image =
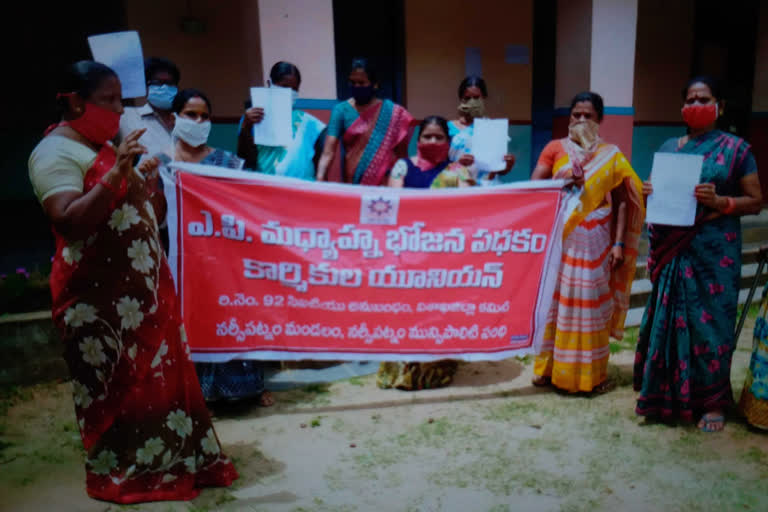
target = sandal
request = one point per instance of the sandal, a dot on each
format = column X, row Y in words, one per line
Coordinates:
column 712, row 422
column 541, row 381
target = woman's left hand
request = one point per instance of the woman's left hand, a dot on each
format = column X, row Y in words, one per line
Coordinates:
column 616, row 257
column 509, row 163
column 706, row 195
column 148, row 169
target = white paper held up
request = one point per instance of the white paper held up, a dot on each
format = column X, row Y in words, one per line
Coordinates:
column 674, row 177
column 489, row 144
column 275, row 129
column 121, row 51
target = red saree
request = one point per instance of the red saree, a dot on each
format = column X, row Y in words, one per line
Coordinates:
column 142, row 418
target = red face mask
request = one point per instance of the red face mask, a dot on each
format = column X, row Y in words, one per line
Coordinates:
column 429, row 154
column 97, row 124
column 699, row 117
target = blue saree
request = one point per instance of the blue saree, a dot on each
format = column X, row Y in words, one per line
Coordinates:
column 683, row 359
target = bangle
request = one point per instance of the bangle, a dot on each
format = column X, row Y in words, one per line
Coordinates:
column 619, row 244
column 108, row 186
column 730, row 206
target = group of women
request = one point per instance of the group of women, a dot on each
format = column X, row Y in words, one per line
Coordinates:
column 142, row 415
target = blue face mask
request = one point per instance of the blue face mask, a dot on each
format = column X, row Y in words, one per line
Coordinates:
column 161, row 96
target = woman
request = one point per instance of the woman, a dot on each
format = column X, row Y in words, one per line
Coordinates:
column 472, row 94
column 430, row 168
column 684, row 348
column 754, row 397
column 373, row 132
column 192, row 112
column 142, row 418
column 600, row 241
column 297, row 160
column 191, row 128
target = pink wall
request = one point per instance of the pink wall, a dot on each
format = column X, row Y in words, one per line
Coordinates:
column 301, row 32
column 437, row 33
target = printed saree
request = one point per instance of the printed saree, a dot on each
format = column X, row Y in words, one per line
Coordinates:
column 685, row 344
column 591, row 301
column 142, row 418
column 754, row 397
column 370, row 142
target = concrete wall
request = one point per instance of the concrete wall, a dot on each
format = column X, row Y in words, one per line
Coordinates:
column 301, row 32
column 437, row 33
column 223, row 61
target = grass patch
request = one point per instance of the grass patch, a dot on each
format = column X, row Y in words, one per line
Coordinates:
column 526, row 359
column 356, row 381
column 511, row 410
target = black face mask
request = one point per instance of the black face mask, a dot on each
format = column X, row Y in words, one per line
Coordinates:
column 363, row 94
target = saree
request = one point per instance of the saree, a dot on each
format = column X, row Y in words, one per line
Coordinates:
column 590, row 301
column 371, row 140
column 683, row 359
column 141, row 415
column 409, row 376
column 295, row 160
column 754, row 397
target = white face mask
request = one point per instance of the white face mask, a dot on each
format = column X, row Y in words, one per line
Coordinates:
column 193, row 133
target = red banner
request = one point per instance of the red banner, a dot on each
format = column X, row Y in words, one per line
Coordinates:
column 275, row 268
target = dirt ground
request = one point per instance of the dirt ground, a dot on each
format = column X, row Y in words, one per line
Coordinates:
column 490, row 442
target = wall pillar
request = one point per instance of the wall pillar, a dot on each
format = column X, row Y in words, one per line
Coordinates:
column 596, row 52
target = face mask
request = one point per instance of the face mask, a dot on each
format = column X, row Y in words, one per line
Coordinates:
column 699, row 117
column 97, row 124
column 474, row 107
column 584, row 133
column 193, row 133
column 430, row 154
column 161, row 96
column 363, row 94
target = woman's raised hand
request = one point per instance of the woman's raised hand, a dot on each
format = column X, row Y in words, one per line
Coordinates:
column 253, row 116
column 128, row 150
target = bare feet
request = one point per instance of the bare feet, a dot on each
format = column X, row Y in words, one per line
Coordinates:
column 713, row 421
column 266, row 399
column 541, row 381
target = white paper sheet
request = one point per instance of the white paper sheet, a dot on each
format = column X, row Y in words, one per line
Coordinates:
column 674, row 177
column 275, row 129
column 489, row 144
column 121, row 51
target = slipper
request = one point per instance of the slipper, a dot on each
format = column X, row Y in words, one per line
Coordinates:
column 711, row 421
column 541, row 381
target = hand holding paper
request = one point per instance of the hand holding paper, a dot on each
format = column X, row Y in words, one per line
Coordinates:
column 489, row 144
column 674, row 177
column 275, row 128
